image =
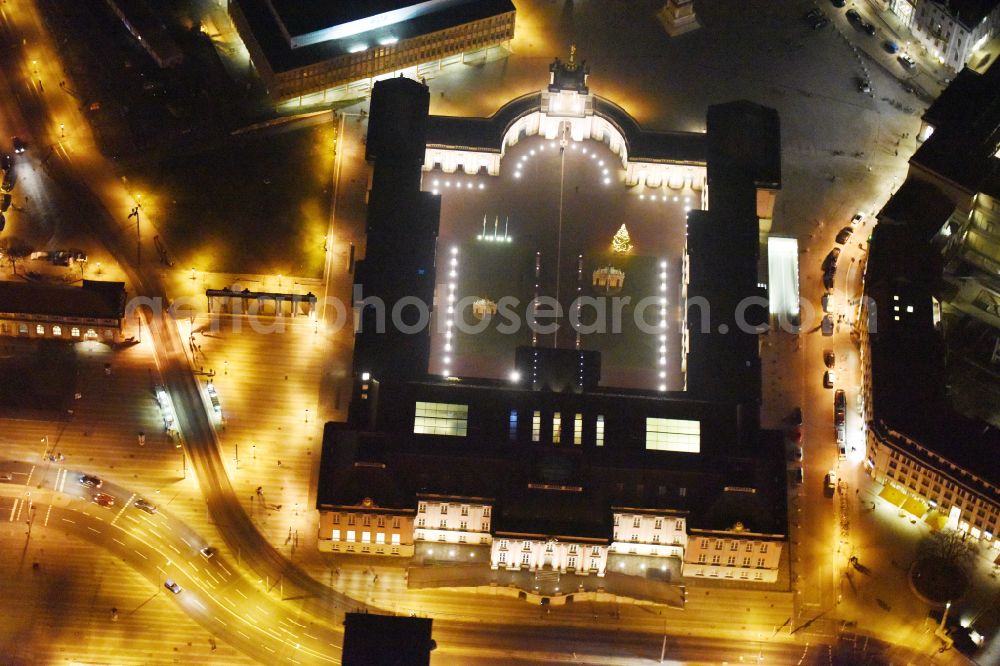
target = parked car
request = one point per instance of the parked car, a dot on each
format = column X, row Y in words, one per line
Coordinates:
column 840, row 405
column 829, row 358
column 827, row 301
column 813, row 13
column 828, row 277
column 5, row 202
column 853, row 15
column 3, row 222
column 857, row 219
column 841, row 449
column 91, row 481
column 104, row 499
column 830, row 262
column 796, row 417
column 844, row 235
column 797, row 453
column 863, row 85
column 819, row 22
column 208, row 552
column 828, row 378
column 839, row 3
column 7, row 161
column 797, row 476
column 9, row 180
column 19, row 146
column 172, row 586
column 830, row 483
column 827, row 325
column 867, row 28
column 907, row 61
column 143, row 505
column 891, row 46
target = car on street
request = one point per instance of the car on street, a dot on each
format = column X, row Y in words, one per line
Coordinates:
column 91, row 481
column 840, row 406
column 208, row 552
column 839, row 3
column 827, row 302
column 891, row 46
column 853, row 15
column 841, row 444
column 907, row 61
column 172, row 586
column 6, row 476
column 797, row 476
column 827, row 326
column 19, row 146
column 143, row 505
column 830, row 261
column 813, row 13
column 819, row 22
column 863, row 85
column 797, row 453
column 9, row 180
column 867, row 28
column 828, row 278
column 829, row 358
column 104, row 499
column 7, row 161
column 5, row 202
column 844, row 235
column 857, row 219
column 3, row 222
column 829, row 377
column 796, row 417
column 830, row 483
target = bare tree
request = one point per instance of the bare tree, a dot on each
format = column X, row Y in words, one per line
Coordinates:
column 951, row 546
column 14, row 249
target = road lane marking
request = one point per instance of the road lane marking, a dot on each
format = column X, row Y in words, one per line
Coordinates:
column 228, row 601
column 13, row 508
column 217, row 581
column 310, row 636
column 251, row 618
column 267, row 647
column 140, row 554
column 220, row 621
column 117, row 541
column 195, row 601
column 93, row 530
column 186, row 542
column 228, row 572
column 68, row 520
column 133, row 519
column 261, row 609
column 242, row 634
column 174, row 548
column 237, row 590
column 48, row 512
column 294, row 622
column 122, row 510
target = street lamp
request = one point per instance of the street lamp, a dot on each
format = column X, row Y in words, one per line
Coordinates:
column 138, row 239
column 62, row 130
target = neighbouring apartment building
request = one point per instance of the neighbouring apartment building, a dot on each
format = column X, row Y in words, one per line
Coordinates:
column 952, row 30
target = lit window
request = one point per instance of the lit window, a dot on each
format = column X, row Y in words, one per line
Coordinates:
column 366, row 537
column 536, row 426
column 380, row 537
column 578, row 429
column 335, row 535
column 512, row 431
column 75, row 332
column 600, row 430
column 57, row 330
column 673, row 435
column 350, row 535
column 439, row 418
column 39, row 329
column 395, row 539
column 556, row 427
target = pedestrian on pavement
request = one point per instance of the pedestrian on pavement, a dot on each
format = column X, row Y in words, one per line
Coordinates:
column 279, row 463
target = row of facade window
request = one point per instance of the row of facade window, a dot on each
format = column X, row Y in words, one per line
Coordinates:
column 657, row 523
column 504, row 544
column 655, row 538
column 57, row 330
column 733, row 546
column 462, row 538
column 443, row 508
column 366, row 520
column 730, row 561
column 350, row 536
column 462, row 525
column 365, row 548
column 745, row 575
column 595, row 564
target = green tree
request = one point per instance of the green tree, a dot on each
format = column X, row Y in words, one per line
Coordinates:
column 14, row 249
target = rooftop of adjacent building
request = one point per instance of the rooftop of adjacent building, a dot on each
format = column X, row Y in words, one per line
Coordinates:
column 386, row 639
column 93, row 300
column 276, row 23
column 966, row 121
column 909, row 394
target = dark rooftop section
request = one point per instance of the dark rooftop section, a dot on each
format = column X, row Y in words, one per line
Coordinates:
column 94, row 300
column 386, row 640
column 487, row 133
column 569, row 76
column 909, row 394
column 921, row 205
column 302, row 16
column 281, row 57
column 971, row 12
column 744, row 139
column 554, row 513
column 966, row 121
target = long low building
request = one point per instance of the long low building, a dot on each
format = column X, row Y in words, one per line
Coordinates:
column 310, row 53
column 93, row 311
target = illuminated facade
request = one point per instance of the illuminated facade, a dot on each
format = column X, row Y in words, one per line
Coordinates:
column 94, row 311
column 951, row 31
column 327, row 51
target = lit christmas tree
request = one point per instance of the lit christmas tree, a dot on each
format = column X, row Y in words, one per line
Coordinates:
column 621, row 242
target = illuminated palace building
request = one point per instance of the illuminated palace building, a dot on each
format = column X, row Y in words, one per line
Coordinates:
column 317, row 52
column 560, row 460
